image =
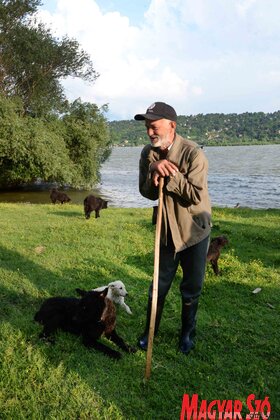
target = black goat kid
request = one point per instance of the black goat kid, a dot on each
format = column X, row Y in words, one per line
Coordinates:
column 90, row 316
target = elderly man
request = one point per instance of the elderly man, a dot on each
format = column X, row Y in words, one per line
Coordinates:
column 186, row 218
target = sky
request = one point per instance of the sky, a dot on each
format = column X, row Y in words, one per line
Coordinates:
column 200, row 56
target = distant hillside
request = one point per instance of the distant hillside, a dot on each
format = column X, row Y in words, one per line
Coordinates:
column 210, row 129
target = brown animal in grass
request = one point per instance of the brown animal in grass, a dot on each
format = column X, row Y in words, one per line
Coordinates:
column 92, row 203
column 214, row 251
column 59, row 196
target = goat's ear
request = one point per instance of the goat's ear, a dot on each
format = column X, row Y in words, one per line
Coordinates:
column 81, row 292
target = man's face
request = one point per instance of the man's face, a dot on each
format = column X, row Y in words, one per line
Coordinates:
column 161, row 132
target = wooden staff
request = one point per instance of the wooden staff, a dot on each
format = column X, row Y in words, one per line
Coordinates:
column 155, row 282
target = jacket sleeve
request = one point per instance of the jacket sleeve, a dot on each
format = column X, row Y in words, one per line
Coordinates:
column 146, row 186
column 191, row 179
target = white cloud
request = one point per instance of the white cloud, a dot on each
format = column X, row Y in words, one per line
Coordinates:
column 244, row 6
column 201, row 56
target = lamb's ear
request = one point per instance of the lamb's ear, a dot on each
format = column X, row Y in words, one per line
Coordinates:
column 81, row 292
column 104, row 292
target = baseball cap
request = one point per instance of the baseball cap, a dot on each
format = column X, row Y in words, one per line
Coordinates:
column 157, row 111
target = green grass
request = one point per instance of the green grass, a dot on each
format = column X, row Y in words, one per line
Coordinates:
column 48, row 250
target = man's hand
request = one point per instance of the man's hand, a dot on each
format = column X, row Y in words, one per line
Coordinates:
column 162, row 168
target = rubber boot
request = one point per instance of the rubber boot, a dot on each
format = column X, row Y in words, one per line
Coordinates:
column 189, row 310
column 143, row 340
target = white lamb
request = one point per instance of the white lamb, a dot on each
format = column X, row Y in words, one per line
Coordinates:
column 116, row 293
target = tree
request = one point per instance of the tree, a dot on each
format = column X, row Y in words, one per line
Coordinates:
column 68, row 150
column 30, row 149
column 42, row 136
column 87, row 138
column 33, row 62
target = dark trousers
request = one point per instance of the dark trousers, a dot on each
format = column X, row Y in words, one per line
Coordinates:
column 193, row 263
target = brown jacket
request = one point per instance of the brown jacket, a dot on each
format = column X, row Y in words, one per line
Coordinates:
column 186, row 203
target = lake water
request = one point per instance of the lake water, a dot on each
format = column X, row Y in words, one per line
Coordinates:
column 249, row 175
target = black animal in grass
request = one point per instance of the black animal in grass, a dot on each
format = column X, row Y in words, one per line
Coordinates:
column 59, row 196
column 92, row 203
column 90, row 316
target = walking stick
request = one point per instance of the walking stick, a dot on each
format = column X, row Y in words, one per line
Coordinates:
column 155, row 282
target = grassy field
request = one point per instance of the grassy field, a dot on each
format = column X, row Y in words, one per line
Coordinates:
column 48, row 250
